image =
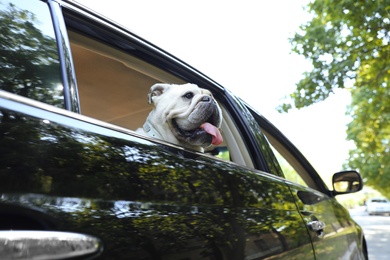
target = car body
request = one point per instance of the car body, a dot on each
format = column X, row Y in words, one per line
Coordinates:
column 378, row 206
column 78, row 181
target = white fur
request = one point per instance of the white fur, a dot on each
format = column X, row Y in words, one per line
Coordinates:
column 169, row 103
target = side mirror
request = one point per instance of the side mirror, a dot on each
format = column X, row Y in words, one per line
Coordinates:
column 346, row 182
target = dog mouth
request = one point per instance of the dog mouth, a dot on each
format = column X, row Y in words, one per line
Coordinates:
column 207, row 129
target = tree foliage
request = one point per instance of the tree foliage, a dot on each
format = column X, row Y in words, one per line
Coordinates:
column 347, row 42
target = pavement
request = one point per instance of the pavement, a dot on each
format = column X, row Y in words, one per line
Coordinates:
column 377, row 232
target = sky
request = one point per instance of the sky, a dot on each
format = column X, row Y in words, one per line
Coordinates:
column 244, row 45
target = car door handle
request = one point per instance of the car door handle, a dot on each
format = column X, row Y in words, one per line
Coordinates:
column 47, row 245
column 316, row 225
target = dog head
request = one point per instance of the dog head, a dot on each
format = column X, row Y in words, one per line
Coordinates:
column 185, row 115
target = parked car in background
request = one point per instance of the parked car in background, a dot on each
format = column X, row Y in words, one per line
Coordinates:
column 378, row 206
column 78, row 182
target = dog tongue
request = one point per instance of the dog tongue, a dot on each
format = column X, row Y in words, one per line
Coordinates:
column 212, row 130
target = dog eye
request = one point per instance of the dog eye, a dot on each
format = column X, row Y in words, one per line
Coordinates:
column 188, row 95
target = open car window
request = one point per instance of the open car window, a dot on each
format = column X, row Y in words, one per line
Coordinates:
column 113, row 87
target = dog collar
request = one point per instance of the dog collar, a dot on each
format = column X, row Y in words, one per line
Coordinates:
column 150, row 130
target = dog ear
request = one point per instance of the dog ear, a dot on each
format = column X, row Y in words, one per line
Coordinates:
column 156, row 90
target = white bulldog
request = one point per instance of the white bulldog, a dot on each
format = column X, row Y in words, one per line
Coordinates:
column 185, row 115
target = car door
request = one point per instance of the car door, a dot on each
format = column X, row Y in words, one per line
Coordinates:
column 128, row 195
column 291, row 240
column 141, row 199
column 331, row 227
column 333, row 232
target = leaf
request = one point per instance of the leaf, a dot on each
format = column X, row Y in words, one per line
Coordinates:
column 348, row 44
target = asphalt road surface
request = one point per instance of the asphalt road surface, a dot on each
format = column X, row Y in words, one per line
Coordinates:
column 377, row 232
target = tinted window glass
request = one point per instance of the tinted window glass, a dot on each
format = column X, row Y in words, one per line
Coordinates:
column 29, row 63
column 288, row 170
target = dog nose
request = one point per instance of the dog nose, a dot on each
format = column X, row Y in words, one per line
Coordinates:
column 206, row 98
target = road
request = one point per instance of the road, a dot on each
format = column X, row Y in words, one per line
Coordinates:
column 377, row 232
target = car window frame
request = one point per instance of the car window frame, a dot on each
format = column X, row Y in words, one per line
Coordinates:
column 70, row 92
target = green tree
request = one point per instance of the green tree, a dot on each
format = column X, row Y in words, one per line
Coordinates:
column 347, row 42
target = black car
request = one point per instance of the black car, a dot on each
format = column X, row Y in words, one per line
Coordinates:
column 76, row 180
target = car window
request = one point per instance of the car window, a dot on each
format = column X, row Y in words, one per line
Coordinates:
column 292, row 169
column 29, row 58
column 292, row 164
column 113, row 87
column 288, row 170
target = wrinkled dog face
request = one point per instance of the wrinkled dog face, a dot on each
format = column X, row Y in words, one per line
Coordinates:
column 185, row 115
